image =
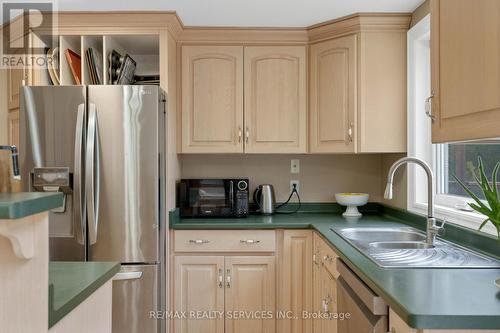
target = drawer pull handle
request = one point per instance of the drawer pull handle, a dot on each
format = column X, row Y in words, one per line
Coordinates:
column 228, row 278
column 221, row 278
column 328, row 258
column 199, row 241
column 249, row 241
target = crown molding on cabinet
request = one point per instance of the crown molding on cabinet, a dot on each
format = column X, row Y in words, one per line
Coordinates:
column 315, row 33
column 136, row 22
column 361, row 22
column 244, row 36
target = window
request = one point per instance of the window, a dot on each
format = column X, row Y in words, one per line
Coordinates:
column 447, row 160
column 460, row 160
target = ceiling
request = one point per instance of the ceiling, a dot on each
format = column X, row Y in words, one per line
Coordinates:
column 247, row 13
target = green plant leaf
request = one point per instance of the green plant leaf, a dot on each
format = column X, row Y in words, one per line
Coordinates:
column 484, row 180
column 483, row 224
column 492, row 209
column 470, row 193
column 484, row 211
column 494, row 179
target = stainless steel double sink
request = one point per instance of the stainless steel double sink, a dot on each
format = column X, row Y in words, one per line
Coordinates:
column 405, row 247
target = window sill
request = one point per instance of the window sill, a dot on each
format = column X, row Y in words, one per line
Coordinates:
column 471, row 220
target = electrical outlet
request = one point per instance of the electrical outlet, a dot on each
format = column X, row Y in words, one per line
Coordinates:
column 294, row 166
column 297, row 185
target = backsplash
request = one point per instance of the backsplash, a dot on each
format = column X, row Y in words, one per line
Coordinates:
column 321, row 176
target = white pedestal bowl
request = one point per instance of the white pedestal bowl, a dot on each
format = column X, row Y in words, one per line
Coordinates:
column 352, row 201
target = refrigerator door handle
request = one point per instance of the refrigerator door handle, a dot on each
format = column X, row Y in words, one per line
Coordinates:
column 78, row 194
column 92, row 173
column 127, row 276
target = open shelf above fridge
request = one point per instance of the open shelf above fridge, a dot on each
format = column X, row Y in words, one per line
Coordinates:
column 98, row 59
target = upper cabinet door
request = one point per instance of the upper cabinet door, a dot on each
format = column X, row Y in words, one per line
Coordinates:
column 465, row 67
column 333, row 96
column 212, row 99
column 275, row 99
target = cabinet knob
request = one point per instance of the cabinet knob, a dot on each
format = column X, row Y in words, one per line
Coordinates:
column 240, row 134
column 349, row 132
column 247, row 135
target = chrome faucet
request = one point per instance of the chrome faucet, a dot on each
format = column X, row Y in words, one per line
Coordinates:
column 15, row 163
column 432, row 228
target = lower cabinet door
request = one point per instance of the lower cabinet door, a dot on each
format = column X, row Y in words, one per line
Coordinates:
column 250, row 294
column 325, row 301
column 199, row 292
column 295, row 289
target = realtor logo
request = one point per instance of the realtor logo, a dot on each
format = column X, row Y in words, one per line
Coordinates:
column 28, row 32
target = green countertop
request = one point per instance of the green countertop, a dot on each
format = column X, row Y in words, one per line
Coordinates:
column 422, row 297
column 70, row 283
column 17, row 205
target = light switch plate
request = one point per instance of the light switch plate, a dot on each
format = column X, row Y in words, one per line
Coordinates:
column 294, row 166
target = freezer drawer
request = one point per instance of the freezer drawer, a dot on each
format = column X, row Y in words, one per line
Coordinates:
column 135, row 294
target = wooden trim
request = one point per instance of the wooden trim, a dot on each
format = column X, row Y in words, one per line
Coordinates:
column 244, row 36
column 434, row 44
column 116, row 22
column 141, row 22
column 351, row 24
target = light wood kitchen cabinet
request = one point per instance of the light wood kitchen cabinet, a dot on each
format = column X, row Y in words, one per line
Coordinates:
column 250, row 287
column 295, row 280
column 214, row 284
column 465, row 69
column 333, row 96
column 275, row 99
column 14, row 83
column 220, row 270
column 199, row 286
column 212, row 99
column 358, row 93
column 324, row 287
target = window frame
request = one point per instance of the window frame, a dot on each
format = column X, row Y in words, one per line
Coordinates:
column 419, row 139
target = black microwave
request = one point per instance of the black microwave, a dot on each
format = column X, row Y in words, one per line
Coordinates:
column 213, row 197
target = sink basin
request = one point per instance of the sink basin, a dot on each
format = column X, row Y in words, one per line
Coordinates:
column 401, row 245
column 382, row 235
column 405, row 247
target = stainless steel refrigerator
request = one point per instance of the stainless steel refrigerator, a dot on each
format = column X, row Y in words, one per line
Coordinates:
column 104, row 147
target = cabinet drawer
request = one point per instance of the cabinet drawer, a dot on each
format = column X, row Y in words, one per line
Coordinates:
column 328, row 258
column 224, row 241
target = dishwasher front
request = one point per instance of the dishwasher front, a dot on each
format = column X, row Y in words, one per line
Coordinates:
column 368, row 312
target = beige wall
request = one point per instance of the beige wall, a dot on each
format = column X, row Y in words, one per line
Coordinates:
column 400, row 194
column 320, row 175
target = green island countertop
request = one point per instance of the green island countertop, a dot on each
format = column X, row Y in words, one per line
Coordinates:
column 425, row 298
column 70, row 283
column 21, row 204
